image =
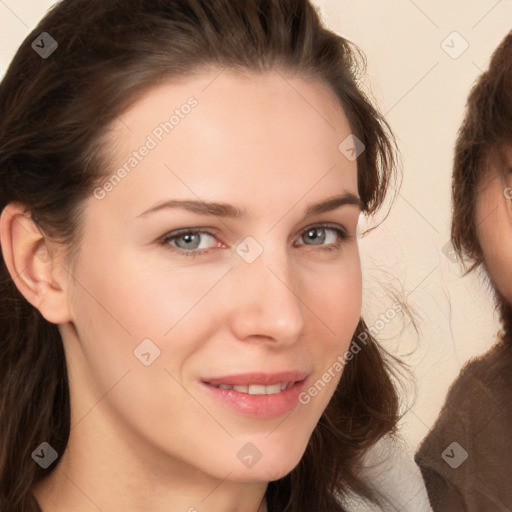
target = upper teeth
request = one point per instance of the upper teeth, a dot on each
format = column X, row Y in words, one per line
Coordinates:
column 258, row 389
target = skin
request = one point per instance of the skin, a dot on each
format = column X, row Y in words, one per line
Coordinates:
column 493, row 213
column 150, row 437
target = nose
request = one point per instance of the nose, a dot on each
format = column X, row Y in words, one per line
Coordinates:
column 267, row 303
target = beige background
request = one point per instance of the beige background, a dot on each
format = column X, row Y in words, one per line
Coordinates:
column 422, row 90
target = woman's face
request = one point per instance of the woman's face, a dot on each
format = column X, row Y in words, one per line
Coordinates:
column 493, row 219
column 250, row 283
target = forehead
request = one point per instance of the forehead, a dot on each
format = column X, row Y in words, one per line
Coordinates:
column 222, row 128
column 212, row 87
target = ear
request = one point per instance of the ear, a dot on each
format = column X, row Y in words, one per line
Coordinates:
column 34, row 264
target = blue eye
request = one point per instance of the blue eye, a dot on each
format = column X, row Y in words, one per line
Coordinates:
column 318, row 235
column 187, row 242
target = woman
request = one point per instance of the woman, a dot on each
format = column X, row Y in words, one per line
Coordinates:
column 181, row 182
column 466, row 459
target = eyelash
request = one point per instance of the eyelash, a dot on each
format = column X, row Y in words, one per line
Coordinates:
column 342, row 236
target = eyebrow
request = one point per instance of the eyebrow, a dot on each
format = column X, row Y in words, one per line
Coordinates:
column 226, row 210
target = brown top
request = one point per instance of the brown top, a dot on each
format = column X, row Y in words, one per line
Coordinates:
column 466, row 459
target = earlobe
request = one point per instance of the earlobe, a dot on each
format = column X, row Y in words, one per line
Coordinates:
column 35, row 271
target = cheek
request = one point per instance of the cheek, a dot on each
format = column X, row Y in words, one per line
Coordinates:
column 496, row 253
column 494, row 225
column 141, row 298
column 120, row 305
column 338, row 307
column 342, row 309
column 338, row 300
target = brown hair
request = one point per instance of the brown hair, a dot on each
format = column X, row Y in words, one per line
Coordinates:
column 54, row 120
column 485, row 131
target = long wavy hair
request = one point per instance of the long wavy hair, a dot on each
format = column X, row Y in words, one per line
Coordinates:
column 55, row 113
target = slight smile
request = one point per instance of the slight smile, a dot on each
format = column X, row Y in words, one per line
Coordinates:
column 261, row 395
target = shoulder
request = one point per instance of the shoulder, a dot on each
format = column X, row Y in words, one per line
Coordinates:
column 492, row 368
column 482, row 389
column 472, row 429
column 484, row 380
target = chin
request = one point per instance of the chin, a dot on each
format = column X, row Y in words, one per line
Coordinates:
column 273, row 465
column 266, row 473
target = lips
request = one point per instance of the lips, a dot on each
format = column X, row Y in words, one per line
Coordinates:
column 258, row 378
column 260, row 395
